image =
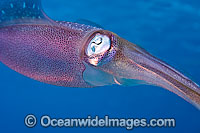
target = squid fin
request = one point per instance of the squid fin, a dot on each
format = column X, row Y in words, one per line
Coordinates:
column 22, row 12
column 87, row 22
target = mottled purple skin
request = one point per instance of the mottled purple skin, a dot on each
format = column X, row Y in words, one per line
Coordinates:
column 48, row 53
column 54, row 53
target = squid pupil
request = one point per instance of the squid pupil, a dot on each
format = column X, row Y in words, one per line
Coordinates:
column 99, row 42
column 94, row 47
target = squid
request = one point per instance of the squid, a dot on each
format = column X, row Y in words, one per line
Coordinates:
column 78, row 55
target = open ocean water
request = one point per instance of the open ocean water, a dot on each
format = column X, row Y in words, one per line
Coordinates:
column 169, row 29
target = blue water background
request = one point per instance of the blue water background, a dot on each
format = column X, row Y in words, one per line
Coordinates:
column 169, row 29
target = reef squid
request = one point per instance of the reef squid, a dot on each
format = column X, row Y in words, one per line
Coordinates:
column 79, row 55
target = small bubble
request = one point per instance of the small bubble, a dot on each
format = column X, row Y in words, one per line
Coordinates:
column 11, row 5
column 24, row 5
column 33, row 6
column 3, row 12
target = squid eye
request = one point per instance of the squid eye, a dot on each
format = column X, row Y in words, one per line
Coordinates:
column 100, row 48
column 99, row 44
